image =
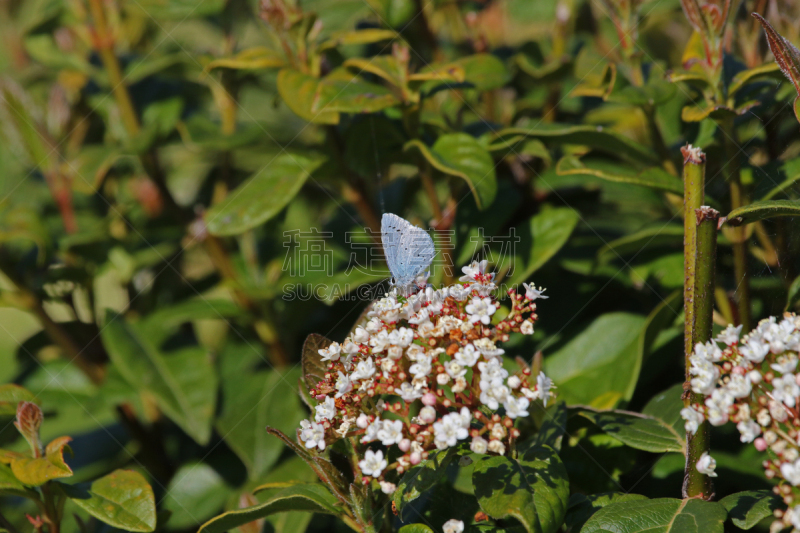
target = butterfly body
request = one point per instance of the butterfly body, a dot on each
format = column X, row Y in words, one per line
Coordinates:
column 409, row 250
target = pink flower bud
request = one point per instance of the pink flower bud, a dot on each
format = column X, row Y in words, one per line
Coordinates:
column 404, row 445
column 760, row 444
column 739, row 370
column 429, row 398
column 797, row 379
column 415, row 458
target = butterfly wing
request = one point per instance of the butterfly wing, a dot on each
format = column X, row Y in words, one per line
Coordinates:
column 414, row 254
column 391, row 230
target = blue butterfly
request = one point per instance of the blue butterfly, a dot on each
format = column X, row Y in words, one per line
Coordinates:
column 409, row 250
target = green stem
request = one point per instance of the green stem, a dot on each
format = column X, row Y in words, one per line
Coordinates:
column 732, row 174
column 700, row 243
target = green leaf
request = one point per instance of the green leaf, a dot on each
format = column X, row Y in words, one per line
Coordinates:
column 666, row 406
column 637, row 430
column 484, row 72
column 422, row 477
column 793, row 295
column 792, row 170
column 10, row 395
column 532, row 488
column 299, row 90
column 746, row 509
column 638, row 241
column 662, row 515
column 762, row 210
column 178, row 10
column 461, row 155
column 365, row 36
column 310, row 497
column 9, row 484
column 183, row 383
column 787, row 56
column 262, row 196
column 160, row 323
column 256, row 58
column 653, row 177
column 194, row 495
column 655, row 93
column 582, row 506
column 599, row 373
column 123, row 499
column 549, row 231
column 751, row 74
column 596, row 137
column 38, row 471
column 140, row 69
column 415, row 528
column 552, row 430
column 252, row 401
column 342, row 92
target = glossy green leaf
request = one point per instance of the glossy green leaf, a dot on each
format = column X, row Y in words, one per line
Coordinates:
column 252, row 401
column 792, row 170
column 342, row 92
column 549, row 231
column 262, row 196
column 552, row 430
column 163, row 321
column 8, row 482
column 662, row 515
column 638, row 241
column 655, row 93
column 653, row 178
column 10, row 395
column 597, row 137
column 310, row 497
column 752, row 74
column 178, row 10
column 387, row 67
column 415, row 528
column 460, row 155
column 763, row 210
column 195, row 494
column 123, row 499
column 365, row 36
column 637, row 430
column 532, row 488
column 38, row 471
column 183, row 383
column 256, row 58
column 298, row 91
column 582, row 506
column 666, row 406
column 746, row 509
column 599, row 373
column 484, row 72
column 422, row 477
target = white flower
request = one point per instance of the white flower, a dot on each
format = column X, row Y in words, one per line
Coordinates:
column 466, row 417
column 791, row 472
column 492, row 369
column 454, row 369
column 373, row 463
column 361, row 335
column 778, row 411
column 532, row 293
column 493, row 393
column 785, row 364
column 543, row 386
column 793, row 515
column 496, row 446
column 754, row 351
column 514, row 382
column 380, row 342
column 785, row 389
column 749, row 430
column 427, row 414
column 516, row 407
column 372, row 431
column 467, row 356
column 480, row 310
column 331, row 353
column 719, row 404
column 374, row 326
column 414, row 352
column 730, row 336
column 364, row 370
column 526, row 328
column 312, row 435
column 443, row 378
column 343, row 385
column 448, row 431
column 387, row 308
column 362, row 421
column 487, row 348
column 692, row 418
column 408, row 393
column 350, row 348
column 478, row 445
column 326, row 410
column 422, row 367
column 706, row 465
column 707, row 352
column 458, row 292
column 706, row 374
column 391, row 432
column 472, row 270
column 453, row 526
column 388, row 488
column 402, row 337
column 739, row 386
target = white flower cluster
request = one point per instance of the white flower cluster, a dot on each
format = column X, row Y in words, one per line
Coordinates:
column 752, row 383
column 415, row 374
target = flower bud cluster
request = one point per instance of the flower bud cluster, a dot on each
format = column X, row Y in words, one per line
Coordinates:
column 753, row 383
column 425, row 372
